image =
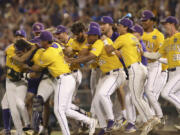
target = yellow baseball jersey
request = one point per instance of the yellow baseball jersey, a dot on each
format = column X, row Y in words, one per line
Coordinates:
column 37, row 56
column 171, row 50
column 128, row 45
column 10, row 52
column 53, row 59
column 106, row 62
column 77, row 47
column 153, row 40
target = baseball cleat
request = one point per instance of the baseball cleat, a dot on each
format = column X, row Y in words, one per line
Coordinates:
column 146, row 129
column 130, row 128
column 102, row 131
column 110, row 125
column 92, row 126
column 155, row 121
column 119, row 124
column 177, row 127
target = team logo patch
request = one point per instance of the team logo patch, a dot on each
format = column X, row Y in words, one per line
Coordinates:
column 54, row 46
column 175, row 40
column 154, row 37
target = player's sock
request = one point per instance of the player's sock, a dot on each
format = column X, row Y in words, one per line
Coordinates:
column 6, row 119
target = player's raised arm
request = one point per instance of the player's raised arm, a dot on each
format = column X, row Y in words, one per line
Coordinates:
column 23, row 50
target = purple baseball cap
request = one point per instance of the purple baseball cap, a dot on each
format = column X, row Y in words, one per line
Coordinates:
column 137, row 28
column 107, row 19
column 125, row 22
column 94, row 24
column 93, row 30
column 146, row 15
column 38, row 27
column 60, row 29
column 170, row 19
column 20, row 32
column 46, row 36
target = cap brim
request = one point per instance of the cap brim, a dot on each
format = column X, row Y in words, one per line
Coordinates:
column 144, row 19
column 133, row 29
column 163, row 21
column 19, row 35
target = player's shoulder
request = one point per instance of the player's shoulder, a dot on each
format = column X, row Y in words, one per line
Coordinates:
column 10, row 47
column 157, row 32
column 98, row 42
column 109, row 40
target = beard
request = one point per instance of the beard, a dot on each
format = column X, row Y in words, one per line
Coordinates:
column 80, row 39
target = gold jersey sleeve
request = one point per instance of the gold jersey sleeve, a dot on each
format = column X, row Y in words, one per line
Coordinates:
column 10, row 52
column 53, row 59
column 37, row 55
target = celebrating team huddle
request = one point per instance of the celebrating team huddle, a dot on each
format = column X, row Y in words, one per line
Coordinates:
column 131, row 63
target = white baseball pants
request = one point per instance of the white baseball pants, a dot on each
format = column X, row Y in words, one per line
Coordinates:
column 16, row 93
column 95, row 76
column 78, row 78
column 105, row 88
column 172, row 87
column 46, row 88
column 154, row 74
column 4, row 102
column 65, row 87
column 137, row 76
column 130, row 107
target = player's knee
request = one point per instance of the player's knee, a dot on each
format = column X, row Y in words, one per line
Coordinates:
column 29, row 99
column 20, row 103
column 38, row 103
column 4, row 104
column 164, row 94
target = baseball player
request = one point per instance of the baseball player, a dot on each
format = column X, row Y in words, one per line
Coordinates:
column 129, row 46
column 113, row 77
column 15, row 87
column 119, row 105
column 64, row 83
column 137, row 30
column 153, row 39
column 20, row 34
column 170, row 49
column 33, row 83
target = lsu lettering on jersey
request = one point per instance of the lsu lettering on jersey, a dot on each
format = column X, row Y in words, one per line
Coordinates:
column 128, row 45
column 10, row 52
column 153, row 40
column 53, row 59
column 106, row 62
column 171, row 50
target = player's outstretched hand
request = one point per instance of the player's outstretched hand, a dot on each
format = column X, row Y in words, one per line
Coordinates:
column 69, row 60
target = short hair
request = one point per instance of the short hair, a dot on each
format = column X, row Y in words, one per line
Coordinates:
column 77, row 27
column 22, row 45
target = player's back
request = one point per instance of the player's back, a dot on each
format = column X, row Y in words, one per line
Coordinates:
column 128, row 45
